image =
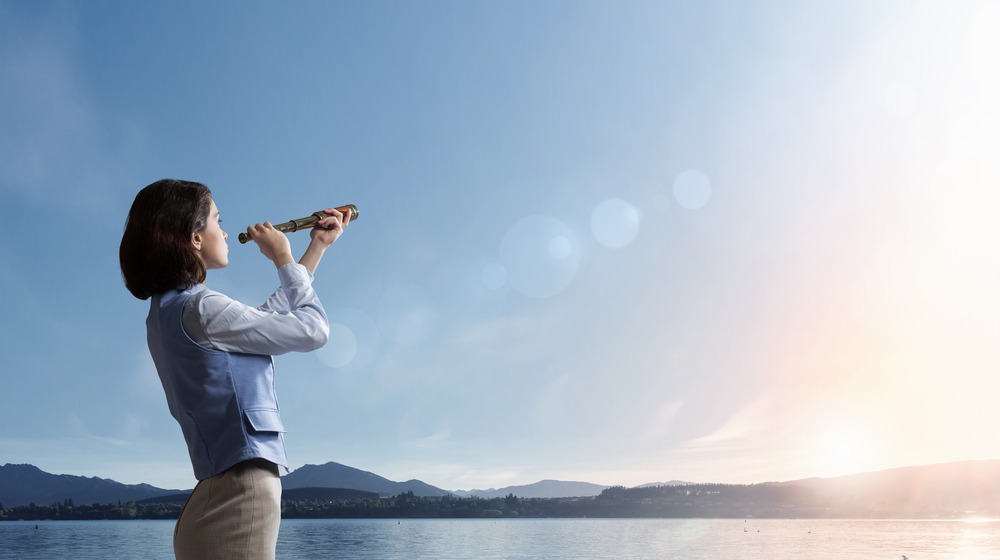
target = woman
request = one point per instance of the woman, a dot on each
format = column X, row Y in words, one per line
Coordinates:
column 214, row 359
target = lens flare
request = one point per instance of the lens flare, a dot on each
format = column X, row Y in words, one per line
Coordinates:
column 540, row 255
column 692, row 189
column 614, row 223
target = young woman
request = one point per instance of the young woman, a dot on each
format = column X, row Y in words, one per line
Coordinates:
column 213, row 356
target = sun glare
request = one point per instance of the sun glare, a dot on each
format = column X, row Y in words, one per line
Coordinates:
column 980, row 520
column 844, row 449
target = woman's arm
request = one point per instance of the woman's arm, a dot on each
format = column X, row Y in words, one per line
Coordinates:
column 272, row 243
column 292, row 319
column 326, row 232
column 217, row 321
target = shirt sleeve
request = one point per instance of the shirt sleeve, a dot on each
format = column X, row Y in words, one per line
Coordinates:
column 291, row 320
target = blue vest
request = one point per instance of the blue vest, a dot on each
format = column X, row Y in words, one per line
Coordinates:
column 224, row 401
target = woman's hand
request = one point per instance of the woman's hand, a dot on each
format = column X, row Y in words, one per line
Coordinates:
column 326, row 231
column 330, row 229
column 273, row 244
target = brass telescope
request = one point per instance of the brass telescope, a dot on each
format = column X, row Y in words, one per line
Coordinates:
column 309, row 221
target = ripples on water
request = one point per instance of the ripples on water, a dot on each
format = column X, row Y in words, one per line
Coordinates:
column 530, row 539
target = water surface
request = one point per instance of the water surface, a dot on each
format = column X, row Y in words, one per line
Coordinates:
column 530, row 539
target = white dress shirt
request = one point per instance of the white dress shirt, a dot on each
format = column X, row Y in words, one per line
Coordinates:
column 291, row 320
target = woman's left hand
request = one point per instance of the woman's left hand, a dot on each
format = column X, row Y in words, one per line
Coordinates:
column 329, row 229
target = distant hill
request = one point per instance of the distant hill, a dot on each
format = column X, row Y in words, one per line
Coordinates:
column 326, row 494
column 167, row 499
column 25, row 484
column 335, row 475
column 671, row 483
column 541, row 489
column 947, row 487
column 320, row 494
column 949, row 490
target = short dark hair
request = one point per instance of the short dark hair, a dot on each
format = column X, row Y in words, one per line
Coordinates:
column 156, row 253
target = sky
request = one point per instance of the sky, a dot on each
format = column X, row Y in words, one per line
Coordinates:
column 614, row 242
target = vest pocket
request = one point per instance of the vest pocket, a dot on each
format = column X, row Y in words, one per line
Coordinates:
column 264, row 420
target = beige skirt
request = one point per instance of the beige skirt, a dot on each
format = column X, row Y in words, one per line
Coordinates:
column 233, row 515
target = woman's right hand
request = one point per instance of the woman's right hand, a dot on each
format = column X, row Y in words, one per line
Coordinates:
column 273, row 244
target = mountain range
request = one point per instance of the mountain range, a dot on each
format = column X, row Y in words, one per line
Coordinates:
column 973, row 485
column 335, row 475
column 25, row 484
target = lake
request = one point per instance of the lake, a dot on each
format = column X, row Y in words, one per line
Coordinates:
column 549, row 539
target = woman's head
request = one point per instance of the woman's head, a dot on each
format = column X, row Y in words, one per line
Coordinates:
column 157, row 253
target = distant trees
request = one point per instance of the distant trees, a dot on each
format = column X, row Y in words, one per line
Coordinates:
column 68, row 510
column 405, row 505
column 686, row 501
column 511, row 501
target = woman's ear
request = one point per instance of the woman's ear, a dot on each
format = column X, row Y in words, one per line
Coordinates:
column 196, row 241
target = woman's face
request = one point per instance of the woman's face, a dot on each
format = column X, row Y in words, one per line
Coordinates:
column 211, row 241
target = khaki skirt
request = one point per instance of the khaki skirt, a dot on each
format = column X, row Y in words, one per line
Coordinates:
column 233, row 515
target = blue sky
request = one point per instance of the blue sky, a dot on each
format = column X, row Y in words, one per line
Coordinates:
column 619, row 242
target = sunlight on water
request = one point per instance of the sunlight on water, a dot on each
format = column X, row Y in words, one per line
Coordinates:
column 692, row 189
column 981, row 520
column 540, row 256
column 614, row 223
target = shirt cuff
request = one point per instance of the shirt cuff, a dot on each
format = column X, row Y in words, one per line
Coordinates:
column 292, row 273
